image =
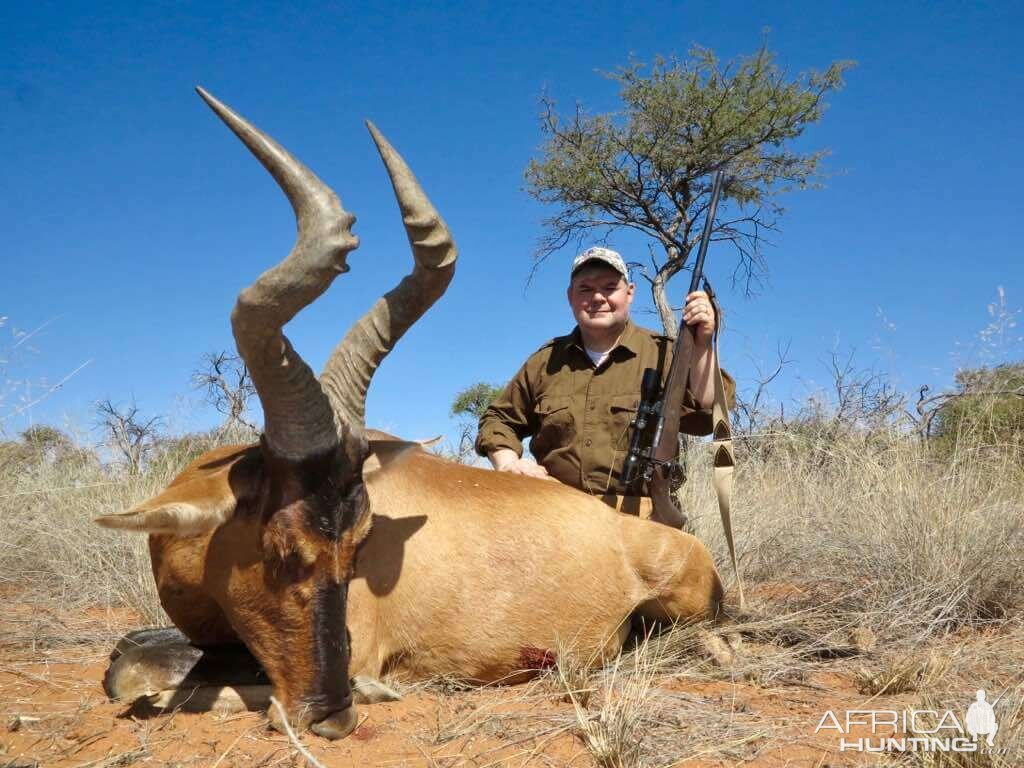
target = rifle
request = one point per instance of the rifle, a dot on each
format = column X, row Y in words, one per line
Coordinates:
column 653, row 450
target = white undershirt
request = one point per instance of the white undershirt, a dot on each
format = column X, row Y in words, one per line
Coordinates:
column 597, row 357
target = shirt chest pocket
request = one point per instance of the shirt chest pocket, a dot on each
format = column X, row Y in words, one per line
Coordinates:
column 621, row 412
column 555, row 425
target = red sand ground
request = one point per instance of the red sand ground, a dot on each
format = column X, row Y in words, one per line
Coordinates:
column 53, row 713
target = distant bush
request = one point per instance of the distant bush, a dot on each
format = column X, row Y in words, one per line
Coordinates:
column 990, row 412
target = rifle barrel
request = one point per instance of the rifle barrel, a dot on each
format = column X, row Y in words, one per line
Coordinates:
column 705, row 237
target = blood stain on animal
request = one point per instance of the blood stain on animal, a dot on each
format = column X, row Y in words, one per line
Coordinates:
column 531, row 657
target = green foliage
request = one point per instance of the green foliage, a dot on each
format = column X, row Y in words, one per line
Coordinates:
column 991, row 410
column 472, row 401
column 468, row 405
column 647, row 166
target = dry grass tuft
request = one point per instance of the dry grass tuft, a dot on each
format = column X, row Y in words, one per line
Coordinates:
column 575, row 675
column 614, row 734
column 51, row 551
column 902, row 674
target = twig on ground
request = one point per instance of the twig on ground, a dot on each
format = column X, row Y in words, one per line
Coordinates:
column 291, row 735
column 227, row 751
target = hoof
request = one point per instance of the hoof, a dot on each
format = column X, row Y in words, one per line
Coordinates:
column 155, row 665
column 368, row 690
column 141, row 638
column 720, row 653
column 146, row 670
column 223, row 700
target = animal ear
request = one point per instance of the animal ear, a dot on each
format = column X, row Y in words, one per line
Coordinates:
column 387, row 454
column 182, row 510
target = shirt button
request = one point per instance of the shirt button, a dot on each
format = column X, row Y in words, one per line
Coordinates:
column 587, row 442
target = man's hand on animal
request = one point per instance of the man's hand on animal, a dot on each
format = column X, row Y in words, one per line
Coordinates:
column 506, row 460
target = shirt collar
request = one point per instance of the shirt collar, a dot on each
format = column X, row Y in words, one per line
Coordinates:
column 629, row 340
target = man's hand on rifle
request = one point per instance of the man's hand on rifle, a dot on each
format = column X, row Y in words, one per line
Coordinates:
column 700, row 315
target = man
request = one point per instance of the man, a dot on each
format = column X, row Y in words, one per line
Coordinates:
column 576, row 396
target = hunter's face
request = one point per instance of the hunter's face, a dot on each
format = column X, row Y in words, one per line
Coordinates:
column 600, row 299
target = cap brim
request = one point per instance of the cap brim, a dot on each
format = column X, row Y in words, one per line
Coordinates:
column 597, row 260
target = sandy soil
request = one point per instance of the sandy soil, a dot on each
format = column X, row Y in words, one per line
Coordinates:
column 53, row 712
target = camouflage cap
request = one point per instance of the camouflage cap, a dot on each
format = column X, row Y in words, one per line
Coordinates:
column 605, row 255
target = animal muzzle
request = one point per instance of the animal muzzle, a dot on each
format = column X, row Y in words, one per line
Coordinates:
column 336, row 725
column 312, row 684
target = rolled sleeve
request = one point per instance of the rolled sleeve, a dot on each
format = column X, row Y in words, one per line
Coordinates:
column 694, row 420
column 509, row 419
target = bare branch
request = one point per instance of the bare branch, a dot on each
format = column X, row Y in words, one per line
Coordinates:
column 749, row 415
column 228, row 387
column 127, row 434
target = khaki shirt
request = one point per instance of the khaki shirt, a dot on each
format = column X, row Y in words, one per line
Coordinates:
column 579, row 415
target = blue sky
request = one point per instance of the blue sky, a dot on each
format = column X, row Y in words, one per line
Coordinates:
column 130, row 217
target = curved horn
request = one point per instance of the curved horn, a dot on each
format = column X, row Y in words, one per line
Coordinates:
column 348, row 371
column 298, row 418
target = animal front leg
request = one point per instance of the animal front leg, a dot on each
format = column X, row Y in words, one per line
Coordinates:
column 369, row 690
column 163, row 667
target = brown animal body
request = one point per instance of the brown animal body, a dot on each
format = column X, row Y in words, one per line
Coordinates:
column 334, row 553
column 464, row 572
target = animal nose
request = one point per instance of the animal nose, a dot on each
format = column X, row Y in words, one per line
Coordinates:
column 337, row 725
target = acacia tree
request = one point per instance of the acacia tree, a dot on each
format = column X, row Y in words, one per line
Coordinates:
column 469, row 405
column 647, row 167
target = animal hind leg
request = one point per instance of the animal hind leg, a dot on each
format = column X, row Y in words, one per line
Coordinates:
column 678, row 576
column 683, row 587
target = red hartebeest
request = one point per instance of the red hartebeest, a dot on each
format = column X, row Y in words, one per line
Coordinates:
column 434, row 568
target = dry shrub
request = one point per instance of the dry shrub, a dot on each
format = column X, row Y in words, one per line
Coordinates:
column 900, row 674
column 575, row 674
column 634, row 718
column 876, row 526
column 51, row 549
